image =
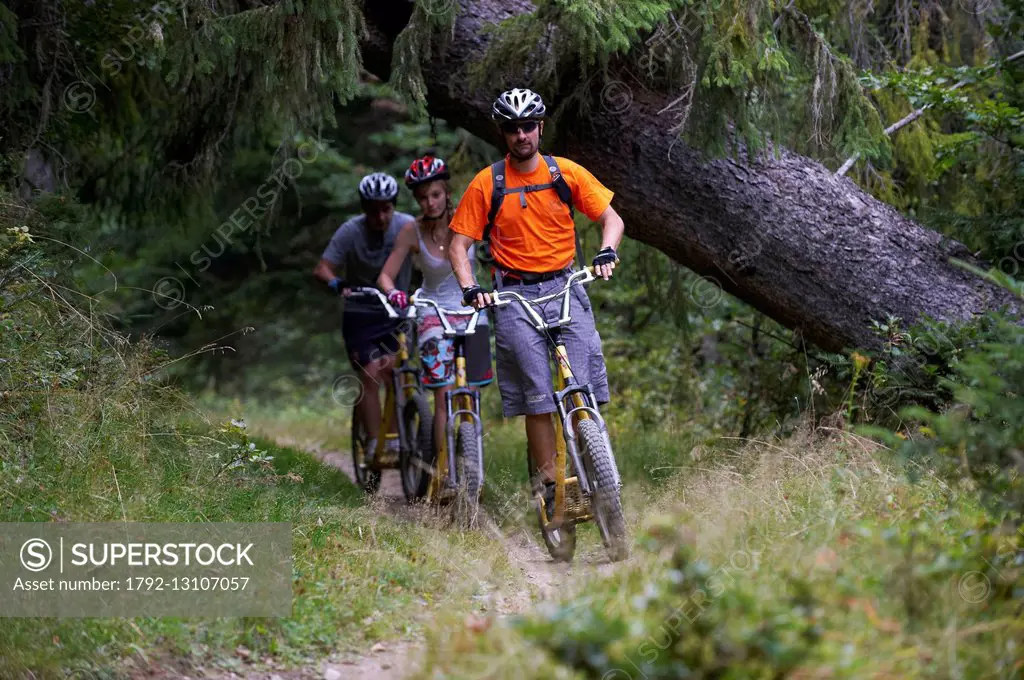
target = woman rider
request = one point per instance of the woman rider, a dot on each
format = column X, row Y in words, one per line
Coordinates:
column 426, row 239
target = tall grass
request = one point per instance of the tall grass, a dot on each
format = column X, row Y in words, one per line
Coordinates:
column 813, row 557
column 809, row 558
column 91, row 431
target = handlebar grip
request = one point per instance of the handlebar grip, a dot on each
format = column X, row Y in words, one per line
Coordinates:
column 590, row 267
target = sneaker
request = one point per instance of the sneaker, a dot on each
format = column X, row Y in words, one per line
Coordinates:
column 549, row 500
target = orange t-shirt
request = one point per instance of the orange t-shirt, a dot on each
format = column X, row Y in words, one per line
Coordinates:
column 540, row 237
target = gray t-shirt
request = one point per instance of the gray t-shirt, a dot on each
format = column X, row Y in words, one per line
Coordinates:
column 359, row 256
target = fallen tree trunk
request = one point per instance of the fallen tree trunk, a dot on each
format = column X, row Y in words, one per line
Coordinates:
column 785, row 235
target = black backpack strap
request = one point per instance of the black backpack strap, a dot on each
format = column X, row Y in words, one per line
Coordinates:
column 497, row 196
column 564, row 192
column 558, row 183
column 523, row 190
column 562, row 187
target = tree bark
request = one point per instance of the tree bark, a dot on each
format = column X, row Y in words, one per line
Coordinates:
column 785, row 235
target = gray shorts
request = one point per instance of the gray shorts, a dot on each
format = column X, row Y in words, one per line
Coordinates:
column 523, row 354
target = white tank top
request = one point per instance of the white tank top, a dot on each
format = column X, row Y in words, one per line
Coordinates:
column 439, row 282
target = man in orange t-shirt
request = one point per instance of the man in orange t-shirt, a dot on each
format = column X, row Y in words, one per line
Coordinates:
column 533, row 243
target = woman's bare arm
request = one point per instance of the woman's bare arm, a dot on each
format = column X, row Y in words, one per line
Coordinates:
column 406, row 243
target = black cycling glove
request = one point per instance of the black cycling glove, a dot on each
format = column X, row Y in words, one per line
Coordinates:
column 469, row 294
column 336, row 284
column 605, row 256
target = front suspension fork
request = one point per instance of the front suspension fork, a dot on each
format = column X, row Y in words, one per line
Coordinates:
column 453, row 414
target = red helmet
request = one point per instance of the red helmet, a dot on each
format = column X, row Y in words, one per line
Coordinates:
column 426, row 169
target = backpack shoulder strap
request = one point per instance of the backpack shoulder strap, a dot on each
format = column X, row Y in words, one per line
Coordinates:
column 561, row 187
column 497, row 195
column 558, row 183
column 564, row 192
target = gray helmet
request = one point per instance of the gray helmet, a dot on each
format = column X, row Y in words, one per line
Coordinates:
column 517, row 104
column 378, row 186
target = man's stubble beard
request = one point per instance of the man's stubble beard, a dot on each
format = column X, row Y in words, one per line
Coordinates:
column 519, row 157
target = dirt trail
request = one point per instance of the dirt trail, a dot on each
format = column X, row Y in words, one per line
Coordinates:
column 522, row 550
column 541, row 580
column 396, row 660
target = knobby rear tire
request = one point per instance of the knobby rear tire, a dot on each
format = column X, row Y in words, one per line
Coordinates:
column 418, row 455
column 606, row 500
column 366, row 479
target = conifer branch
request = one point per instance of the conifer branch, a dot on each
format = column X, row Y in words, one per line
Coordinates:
column 917, row 113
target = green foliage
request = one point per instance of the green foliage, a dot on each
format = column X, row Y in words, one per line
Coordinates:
column 431, row 22
column 685, row 622
column 10, row 52
column 978, row 433
column 242, row 452
column 605, row 28
column 577, row 35
column 154, row 99
column 973, row 423
column 800, row 558
column 747, row 72
column 914, row 364
column 983, row 433
column 938, row 88
column 958, row 167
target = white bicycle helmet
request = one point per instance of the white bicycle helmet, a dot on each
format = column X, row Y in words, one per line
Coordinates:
column 378, row 186
column 517, row 104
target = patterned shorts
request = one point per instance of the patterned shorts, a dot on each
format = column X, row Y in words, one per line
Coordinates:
column 438, row 352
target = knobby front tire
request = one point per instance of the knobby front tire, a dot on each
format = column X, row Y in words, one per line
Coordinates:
column 417, row 455
column 469, row 475
column 606, row 500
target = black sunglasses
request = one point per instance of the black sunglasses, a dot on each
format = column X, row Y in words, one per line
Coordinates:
column 512, row 127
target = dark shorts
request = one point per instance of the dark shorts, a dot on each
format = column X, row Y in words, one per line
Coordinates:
column 437, row 352
column 369, row 336
column 523, row 356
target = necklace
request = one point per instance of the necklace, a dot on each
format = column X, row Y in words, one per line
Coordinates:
column 433, row 237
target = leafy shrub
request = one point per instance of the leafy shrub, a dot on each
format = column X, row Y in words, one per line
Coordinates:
column 978, row 431
column 79, row 403
column 687, row 622
column 915, row 364
column 982, row 433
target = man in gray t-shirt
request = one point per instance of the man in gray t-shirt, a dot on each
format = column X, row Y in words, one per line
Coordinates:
column 354, row 258
column 360, row 250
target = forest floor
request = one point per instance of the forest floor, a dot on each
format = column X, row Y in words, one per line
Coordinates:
column 538, row 578
column 829, row 509
column 822, row 533
column 494, row 593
